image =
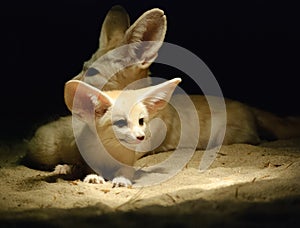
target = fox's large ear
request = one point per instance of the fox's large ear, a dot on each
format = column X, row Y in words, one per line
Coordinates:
column 85, row 101
column 156, row 97
column 151, row 27
column 114, row 27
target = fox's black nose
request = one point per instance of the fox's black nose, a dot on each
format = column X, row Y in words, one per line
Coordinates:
column 141, row 138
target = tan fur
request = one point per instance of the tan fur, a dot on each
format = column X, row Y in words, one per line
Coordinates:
column 103, row 109
column 54, row 143
column 116, row 33
column 242, row 124
column 49, row 140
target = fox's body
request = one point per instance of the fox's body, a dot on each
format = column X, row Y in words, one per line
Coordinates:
column 240, row 123
column 120, row 119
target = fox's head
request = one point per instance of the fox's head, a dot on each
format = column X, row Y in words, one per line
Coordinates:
column 125, row 52
column 122, row 115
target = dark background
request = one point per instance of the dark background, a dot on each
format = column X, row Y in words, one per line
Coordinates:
column 252, row 48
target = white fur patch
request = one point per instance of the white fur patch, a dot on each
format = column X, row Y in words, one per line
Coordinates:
column 94, row 179
column 121, row 182
column 63, row 169
column 94, row 99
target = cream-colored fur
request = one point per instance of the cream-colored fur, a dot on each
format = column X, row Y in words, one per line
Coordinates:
column 120, row 119
column 121, row 122
column 107, row 69
column 117, row 114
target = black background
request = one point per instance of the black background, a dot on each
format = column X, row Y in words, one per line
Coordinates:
column 252, row 48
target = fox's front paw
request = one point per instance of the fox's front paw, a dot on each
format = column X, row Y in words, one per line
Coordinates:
column 121, row 182
column 63, row 169
column 94, row 179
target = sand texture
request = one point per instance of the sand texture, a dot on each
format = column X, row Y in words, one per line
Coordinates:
column 245, row 185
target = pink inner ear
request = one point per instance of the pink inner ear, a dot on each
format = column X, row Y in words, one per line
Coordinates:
column 78, row 97
column 154, row 104
column 70, row 90
column 84, row 100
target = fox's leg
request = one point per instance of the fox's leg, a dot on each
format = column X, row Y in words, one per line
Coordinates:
column 79, row 171
column 53, row 148
column 123, row 177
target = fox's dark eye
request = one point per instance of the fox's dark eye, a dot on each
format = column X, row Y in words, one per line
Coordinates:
column 91, row 72
column 141, row 121
column 120, row 123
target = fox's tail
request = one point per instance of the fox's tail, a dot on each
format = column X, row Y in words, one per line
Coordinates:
column 271, row 126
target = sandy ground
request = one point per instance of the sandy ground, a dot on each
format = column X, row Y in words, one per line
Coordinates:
column 245, row 186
